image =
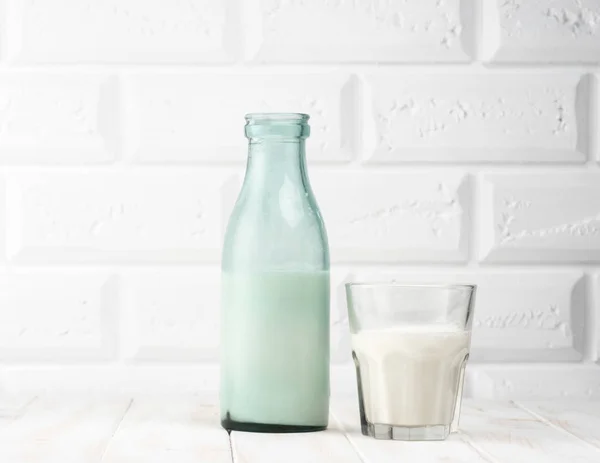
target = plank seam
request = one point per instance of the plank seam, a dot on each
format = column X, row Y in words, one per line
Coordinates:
column 115, row 430
column 339, row 424
column 231, row 449
column 547, row 422
column 22, row 411
column 481, row 452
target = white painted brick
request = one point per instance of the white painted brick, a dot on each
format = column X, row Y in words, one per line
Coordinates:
column 566, row 31
column 529, row 317
column 200, row 117
column 125, row 217
column 453, row 117
column 552, row 217
column 101, row 31
column 54, row 118
column 3, row 218
column 394, row 217
column 535, row 316
column 363, row 30
column 594, row 315
column 533, row 382
column 4, row 22
column 594, row 121
column 172, row 314
column 57, row 316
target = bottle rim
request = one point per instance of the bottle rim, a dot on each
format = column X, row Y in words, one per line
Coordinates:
column 293, row 118
column 290, row 126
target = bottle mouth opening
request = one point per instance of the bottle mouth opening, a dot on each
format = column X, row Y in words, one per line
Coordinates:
column 291, row 118
column 277, row 125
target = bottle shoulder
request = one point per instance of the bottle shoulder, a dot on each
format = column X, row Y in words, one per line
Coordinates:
column 275, row 230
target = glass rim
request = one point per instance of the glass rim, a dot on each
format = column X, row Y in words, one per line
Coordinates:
column 277, row 117
column 400, row 285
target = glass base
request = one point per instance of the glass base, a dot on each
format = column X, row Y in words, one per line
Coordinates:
column 232, row 425
column 406, row 433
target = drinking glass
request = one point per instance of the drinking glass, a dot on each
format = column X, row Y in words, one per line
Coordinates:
column 410, row 346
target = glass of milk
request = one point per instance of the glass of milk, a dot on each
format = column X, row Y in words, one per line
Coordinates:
column 410, row 345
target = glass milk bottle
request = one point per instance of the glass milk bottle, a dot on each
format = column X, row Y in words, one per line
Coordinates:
column 275, row 289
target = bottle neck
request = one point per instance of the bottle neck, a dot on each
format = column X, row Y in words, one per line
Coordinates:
column 272, row 162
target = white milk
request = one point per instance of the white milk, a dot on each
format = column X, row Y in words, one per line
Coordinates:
column 411, row 376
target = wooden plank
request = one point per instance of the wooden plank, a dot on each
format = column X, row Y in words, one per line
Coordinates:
column 60, row 430
column 372, row 450
column 170, row 430
column 580, row 418
column 13, row 407
column 330, row 446
column 509, row 434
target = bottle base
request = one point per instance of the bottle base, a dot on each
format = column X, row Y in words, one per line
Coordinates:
column 232, row 425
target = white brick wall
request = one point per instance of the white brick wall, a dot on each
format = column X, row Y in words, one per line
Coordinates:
column 394, row 217
column 550, row 217
column 123, row 31
column 57, row 315
column 493, row 116
column 114, row 216
column 471, row 155
column 58, row 118
column 359, row 31
column 171, row 315
column 542, row 31
column 167, row 111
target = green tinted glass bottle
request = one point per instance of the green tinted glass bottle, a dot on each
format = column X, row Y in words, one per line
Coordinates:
column 275, row 289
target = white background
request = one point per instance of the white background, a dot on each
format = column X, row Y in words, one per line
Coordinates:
column 451, row 141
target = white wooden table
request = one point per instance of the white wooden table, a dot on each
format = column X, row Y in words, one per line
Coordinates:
column 186, row 429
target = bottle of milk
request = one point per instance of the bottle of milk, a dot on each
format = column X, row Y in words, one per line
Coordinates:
column 275, row 289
